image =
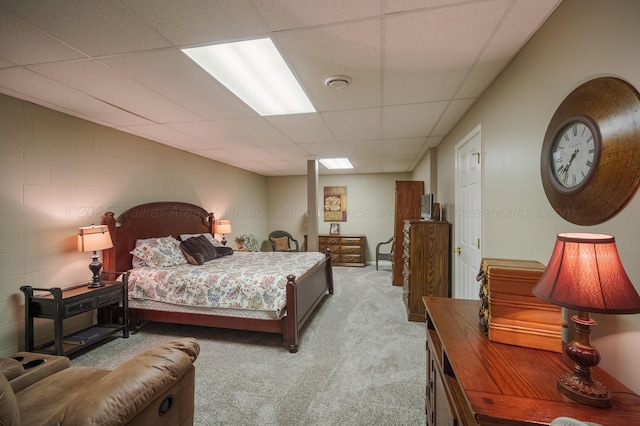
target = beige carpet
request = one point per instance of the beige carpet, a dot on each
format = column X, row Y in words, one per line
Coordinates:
column 360, row 363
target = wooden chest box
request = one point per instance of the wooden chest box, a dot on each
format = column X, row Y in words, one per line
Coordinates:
column 510, row 313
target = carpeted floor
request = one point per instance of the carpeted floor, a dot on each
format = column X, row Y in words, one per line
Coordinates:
column 360, row 363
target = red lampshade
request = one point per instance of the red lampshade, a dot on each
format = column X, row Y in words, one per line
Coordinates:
column 585, row 274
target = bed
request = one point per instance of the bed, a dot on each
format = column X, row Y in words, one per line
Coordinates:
column 304, row 290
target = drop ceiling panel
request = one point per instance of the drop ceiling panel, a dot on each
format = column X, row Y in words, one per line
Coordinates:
column 303, row 128
column 451, row 115
column 287, row 152
column 172, row 73
column 65, row 99
column 269, row 169
column 354, row 125
column 324, row 150
column 214, row 135
column 367, row 164
column 363, row 149
column 397, row 164
column 95, row 27
column 283, row 166
column 289, row 14
column 254, row 153
column 407, row 5
column 258, row 131
column 169, row 136
column 522, row 20
column 103, row 83
column 402, row 147
column 200, row 22
column 23, row 44
column 352, row 50
column 410, row 121
column 428, row 54
column 6, row 64
column 225, row 156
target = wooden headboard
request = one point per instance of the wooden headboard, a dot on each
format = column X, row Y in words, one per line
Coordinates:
column 159, row 219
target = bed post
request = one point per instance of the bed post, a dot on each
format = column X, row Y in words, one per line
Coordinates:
column 329, row 271
column 109, row 255
column 291, row 319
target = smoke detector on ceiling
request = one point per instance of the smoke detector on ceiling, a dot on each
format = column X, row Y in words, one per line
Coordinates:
column 338, row 81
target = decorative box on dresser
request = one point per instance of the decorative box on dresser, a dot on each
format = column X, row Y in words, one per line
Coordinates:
column 474, row 381
column 408, row 193
column 425, row 251
column 346, row 250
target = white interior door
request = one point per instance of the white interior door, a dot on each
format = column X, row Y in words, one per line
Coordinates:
column 468, row 226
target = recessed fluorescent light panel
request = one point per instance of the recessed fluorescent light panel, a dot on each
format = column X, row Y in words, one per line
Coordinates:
column 255, row 72
column 336, row 163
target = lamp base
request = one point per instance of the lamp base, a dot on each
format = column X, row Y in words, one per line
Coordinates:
column 580, row 386
column 591, row 393
column 95, row 267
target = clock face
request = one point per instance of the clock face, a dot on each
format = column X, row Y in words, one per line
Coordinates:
column 573, row 155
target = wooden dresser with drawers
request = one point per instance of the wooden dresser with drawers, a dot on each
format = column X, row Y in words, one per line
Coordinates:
column 346, row 250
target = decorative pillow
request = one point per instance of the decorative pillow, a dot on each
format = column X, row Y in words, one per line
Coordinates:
column 223, row 251
column 136, row 262
column 282, row 243
column 160, row 252
column 212, row 240
column 198, row 250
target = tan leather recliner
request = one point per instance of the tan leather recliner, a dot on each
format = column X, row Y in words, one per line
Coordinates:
column 154, row 388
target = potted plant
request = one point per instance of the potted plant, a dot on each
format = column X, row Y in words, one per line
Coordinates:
column 240, row 242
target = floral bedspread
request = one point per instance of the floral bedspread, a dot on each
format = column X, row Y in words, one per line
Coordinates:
column 244, row 280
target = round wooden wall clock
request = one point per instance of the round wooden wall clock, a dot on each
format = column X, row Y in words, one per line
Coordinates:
column 590, row 162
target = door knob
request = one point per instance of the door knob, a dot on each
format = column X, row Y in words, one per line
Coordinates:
column 457, row 250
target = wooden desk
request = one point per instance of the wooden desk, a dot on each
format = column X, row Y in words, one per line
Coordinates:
column 473, row 381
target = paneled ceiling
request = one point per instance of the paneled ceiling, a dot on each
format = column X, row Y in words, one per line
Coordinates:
column 416, row 68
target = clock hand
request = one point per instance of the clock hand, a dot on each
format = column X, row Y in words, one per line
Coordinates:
column 565, row 169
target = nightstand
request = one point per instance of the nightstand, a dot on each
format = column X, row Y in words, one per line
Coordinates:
column 58, row 304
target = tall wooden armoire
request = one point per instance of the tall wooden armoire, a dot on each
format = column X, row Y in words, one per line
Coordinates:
column 408, row 193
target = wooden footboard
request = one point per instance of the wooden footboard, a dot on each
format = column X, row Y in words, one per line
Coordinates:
column 303, row 296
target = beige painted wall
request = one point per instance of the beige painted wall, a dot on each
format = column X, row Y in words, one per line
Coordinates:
column 582, row 40
column 370, row 205
column 58, row 173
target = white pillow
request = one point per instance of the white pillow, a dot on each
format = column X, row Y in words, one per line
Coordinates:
column 160, row 252
column 212, row 240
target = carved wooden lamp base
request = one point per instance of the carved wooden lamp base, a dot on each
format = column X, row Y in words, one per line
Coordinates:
column 579, row 386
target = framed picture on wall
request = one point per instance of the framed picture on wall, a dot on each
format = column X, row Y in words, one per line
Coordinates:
column 335, row 204
column 334, row 229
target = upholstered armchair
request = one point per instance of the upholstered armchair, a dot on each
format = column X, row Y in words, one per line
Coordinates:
column 153, row 388
column 283, row 241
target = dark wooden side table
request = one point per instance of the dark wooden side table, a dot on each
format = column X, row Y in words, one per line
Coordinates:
column 58, row 304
